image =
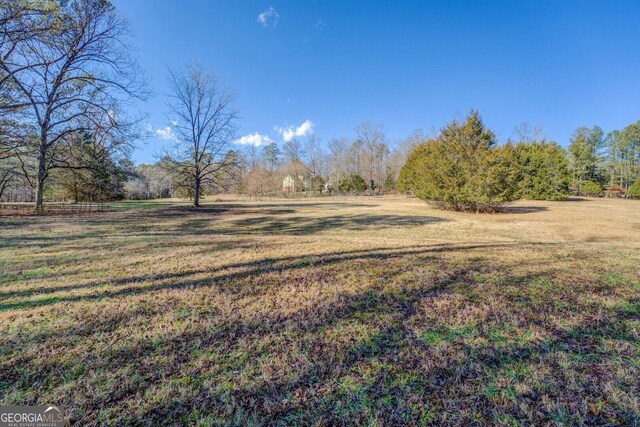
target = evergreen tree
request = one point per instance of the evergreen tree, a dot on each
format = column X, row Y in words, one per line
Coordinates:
column 622, row 158
column 271, row 154
column 544, row 172
column 634, row 190
column 353, row 183
column 463, row 169
column 590, row 188
column 90, row 173
column 584, row 154
column 389, row 183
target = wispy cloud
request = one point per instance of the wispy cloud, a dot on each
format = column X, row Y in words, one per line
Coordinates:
column 269, row 18
column 254, row 139
column 319, row 25
column 166, row 134
column 290, row 132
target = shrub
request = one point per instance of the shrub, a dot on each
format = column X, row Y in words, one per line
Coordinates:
column 408, row 178
column 634, row 190
column 590, row 188
column 615, row 190
column 389, row 183
column 353, row 183
column 544, row 171
column 317, row 183
column 463, row 169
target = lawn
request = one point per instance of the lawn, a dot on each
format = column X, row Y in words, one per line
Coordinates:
column 333, row 311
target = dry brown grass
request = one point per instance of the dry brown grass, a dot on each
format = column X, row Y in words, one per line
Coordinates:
column 329, row 311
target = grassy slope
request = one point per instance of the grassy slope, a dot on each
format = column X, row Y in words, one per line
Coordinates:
column 336, row 311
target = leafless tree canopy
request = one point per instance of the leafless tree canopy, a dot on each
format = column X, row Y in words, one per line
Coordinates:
column 204, row 114
column 66, row 75
column 372, row 139
column 292, row 150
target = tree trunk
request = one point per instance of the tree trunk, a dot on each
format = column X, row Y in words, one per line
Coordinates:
column 196, row 191
column 3, row 187
column 42, row 173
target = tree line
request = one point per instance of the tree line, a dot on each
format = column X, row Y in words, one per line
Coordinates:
column 608, row 163
column 464, row 168
column 68, row 83
column 365, row 162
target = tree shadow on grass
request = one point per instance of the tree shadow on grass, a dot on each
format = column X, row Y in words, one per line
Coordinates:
column 388, row 372
column 345, row 307
column 302, row 225
column 523, row 209
column 203, row 221
column 224, row 278
column 576, row 199
column 331, row 387
column 199, row 223
column 83, row 275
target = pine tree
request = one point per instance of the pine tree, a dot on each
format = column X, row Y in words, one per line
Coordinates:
column 584, row 154
column 463, row 169
column 544, row 172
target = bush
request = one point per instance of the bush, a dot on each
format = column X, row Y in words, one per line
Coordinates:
column 615, row 190
column 389, row 183
column 317, row 183
column 353, row 183
column 544, row 171
column 463, row 169
column 634, row 190
column 590, row 188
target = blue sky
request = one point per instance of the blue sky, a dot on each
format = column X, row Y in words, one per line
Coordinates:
column 325, row 66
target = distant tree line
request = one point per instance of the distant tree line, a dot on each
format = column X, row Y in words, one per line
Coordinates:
column 606, row 164
column 67, row 74
column 364, row 163
column 464, row 168
column 466, row 165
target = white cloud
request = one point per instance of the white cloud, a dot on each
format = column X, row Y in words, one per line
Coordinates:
column 254, row 139
column 166, row 134
column 288, row 133
column 269, row 18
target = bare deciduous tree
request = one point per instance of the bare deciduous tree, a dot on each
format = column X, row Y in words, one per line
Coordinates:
column 292, row 151
column 338, row 161
column 372, row 139
column 527, row 133
column 314, row 156
column 71, row 76
column 252, row 154
column 205, row 126
column 20, row 21
column 258, row 182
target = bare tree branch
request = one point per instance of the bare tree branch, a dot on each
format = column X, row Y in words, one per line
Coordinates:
column 205, row 116
column 68, row 75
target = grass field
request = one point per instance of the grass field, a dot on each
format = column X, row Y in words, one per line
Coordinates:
column 335, row 311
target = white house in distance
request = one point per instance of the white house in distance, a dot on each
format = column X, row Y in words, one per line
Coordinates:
column 290, row 184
